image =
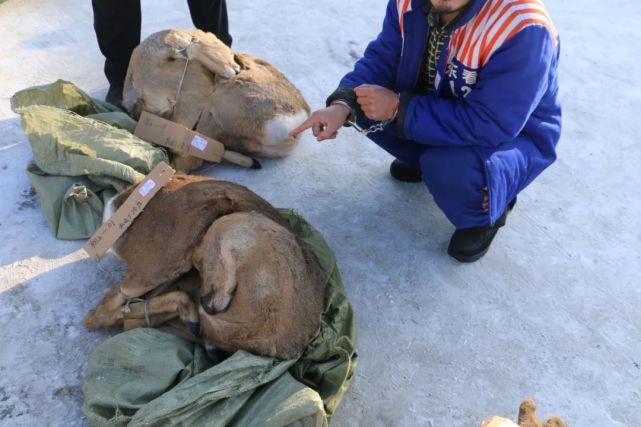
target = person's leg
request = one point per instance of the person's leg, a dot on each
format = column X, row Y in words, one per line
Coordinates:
column 456, row 178
column 117, row 26
column 510, row 168
column 211, row 16
column 405, row 167
column 403, row 149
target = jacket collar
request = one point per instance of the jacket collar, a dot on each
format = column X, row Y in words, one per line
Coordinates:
column 473, row 8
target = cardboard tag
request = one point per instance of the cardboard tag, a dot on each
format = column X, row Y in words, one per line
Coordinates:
column 172, row 135
column 114, row 227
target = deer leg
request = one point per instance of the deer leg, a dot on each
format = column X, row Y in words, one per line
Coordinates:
column 175, row 302
column 108, row 312
column 152, row 321
column 184, row 163
column 241, row 160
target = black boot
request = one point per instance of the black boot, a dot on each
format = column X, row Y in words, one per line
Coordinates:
column 404, row 172
column 470, row 244
column 114, row 96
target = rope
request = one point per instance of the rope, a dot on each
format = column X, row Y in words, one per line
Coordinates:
column 127, row 309
column 182, row 79
column 128, row 300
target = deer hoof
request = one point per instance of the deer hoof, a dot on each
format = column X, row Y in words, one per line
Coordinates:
column 194, row 327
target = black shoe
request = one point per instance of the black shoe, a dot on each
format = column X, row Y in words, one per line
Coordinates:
column 470, row 244
column 114, row 96
column 404, row 172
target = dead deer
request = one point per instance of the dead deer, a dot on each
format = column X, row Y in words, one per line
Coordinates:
column 192, row 78
column 261, row 289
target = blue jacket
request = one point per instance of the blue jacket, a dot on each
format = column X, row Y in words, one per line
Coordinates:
column 496, row 84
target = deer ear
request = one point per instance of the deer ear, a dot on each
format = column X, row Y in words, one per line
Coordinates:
column 242, row 63
column 197, row 257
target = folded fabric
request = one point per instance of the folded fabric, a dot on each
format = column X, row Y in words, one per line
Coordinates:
column 79, row 162
column 61, row 94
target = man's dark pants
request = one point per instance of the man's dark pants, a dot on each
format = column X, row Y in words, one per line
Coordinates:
column 117, row 25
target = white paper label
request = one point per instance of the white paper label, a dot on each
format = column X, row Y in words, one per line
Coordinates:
column 146, row 187
column 199, row 142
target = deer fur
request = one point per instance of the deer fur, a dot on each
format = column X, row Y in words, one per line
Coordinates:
column 261, row 289
column 237, row 99
column 527, row 418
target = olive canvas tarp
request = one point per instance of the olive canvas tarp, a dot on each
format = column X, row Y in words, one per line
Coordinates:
column 79, row 162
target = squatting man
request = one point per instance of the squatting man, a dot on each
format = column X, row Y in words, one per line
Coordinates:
column 464, row 95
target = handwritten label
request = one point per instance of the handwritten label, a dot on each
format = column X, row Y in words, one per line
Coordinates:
column 199, row 143
column 146, row 187
column 115, row 226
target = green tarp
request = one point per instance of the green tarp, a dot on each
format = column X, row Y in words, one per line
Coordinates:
column 79, row 162
column 61, row 94
column 147, row 377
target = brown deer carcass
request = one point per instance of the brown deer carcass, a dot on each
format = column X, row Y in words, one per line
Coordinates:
column 192, row 78
column 261, row 289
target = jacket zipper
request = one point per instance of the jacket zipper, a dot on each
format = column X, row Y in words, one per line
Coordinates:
column 442, row 63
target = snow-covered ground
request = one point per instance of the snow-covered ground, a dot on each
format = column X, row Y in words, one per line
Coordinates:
column 551, row 313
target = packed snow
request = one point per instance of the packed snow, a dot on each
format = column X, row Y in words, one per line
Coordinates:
column 550, row 313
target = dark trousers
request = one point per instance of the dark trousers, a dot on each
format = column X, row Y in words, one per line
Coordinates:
column 117, row 25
